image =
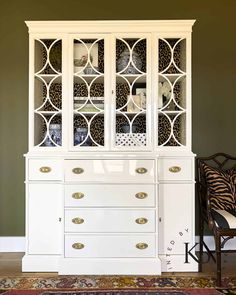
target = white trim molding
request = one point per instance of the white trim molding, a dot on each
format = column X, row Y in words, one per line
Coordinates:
column 163, row 26
column 12, row 244
column 209, row 241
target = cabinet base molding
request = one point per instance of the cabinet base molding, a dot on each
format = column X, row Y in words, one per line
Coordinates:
column 170, row 263
column 107, row 266
column 40, row 263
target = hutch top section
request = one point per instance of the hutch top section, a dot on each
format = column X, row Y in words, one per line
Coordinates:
column 110, row 85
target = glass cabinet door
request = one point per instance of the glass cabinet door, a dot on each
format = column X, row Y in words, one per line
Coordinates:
column 131, row 92
column 171, row 92
column 88, row 93
column 47, row 94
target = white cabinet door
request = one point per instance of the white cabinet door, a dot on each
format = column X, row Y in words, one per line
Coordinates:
column 44, row 211
column 176, row 218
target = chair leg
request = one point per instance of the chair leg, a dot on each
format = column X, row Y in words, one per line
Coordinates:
column 218, row 260
column 201, row 228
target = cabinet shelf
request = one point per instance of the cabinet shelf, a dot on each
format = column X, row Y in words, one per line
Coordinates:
column 48, row 77
column 100, row 113
column 171, row 77
column 143, row 113
column 140, row 78
column 99, row 78
column 171, row 112
column 48, row 112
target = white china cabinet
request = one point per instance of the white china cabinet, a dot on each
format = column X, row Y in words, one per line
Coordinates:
column 109, row 171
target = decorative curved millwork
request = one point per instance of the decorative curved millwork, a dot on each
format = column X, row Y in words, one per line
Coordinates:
column 51, row 99
column 89, row 130
column 172, row 58
column 49, row 58
column 172, row 92
column 49, row 133
column 131, row 80
column 48, row 93
column 128, row 56
column 89, row 93
column 171, row 128
column 88, row 56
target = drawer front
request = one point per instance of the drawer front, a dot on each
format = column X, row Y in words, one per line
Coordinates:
column 175, row 169
column 110, row 195
column 110, row 170
column 110, row 246
column 109, row 220
column 45, row 169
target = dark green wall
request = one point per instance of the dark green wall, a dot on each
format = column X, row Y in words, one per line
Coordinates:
column 214, row 78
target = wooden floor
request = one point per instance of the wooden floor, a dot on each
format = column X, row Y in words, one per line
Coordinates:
column 10, row 265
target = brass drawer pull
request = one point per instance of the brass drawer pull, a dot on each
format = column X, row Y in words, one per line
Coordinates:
column 77, row 196
column 78, row 220
column 141, row 170
column 78, row 170
column 141, row 246
column 45, row 169
column 175, row 169
column 78, row 246
column 141, row 195
column 141, row 220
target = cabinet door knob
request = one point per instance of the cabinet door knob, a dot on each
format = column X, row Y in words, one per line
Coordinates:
column 141, row 220
column 141, row 170
column 77, row 196
column 78, row 220
column 78, row 246
column 175, row 169
column 141, row 195
column 141, row 246
column 78, row 170
column 45, row 169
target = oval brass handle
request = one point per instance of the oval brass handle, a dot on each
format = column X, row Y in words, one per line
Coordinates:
column 175, row 169
column 141, row 246
column 141, row 220
column 141, row 195
column 78, row 246
column 141, row 170
column 78, row 220
column 77, row 196
column 78, row 170
column 45, row 169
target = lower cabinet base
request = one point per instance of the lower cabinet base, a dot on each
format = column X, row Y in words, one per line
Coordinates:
column 181, row 263
column 40, row 263
column 107, row 266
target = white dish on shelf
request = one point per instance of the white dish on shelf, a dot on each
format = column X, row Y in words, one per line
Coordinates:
column 85, row 98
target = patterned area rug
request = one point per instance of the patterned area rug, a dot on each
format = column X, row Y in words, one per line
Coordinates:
column 84, row 283
column 123, row 292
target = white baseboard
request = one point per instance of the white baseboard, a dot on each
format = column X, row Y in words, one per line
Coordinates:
column 12, row 244
column 209, row 240
column 17, row 244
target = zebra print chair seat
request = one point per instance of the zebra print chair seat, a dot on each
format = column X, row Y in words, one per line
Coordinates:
column 216, row 186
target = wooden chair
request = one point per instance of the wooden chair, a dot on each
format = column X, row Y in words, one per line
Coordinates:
column 216, row 186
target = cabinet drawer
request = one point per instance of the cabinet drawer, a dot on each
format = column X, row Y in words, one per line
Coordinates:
column 45, row 169
column 109, row 220
column 175, row 169
column 110, row 246
column 110, row 195
column 109, row 170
